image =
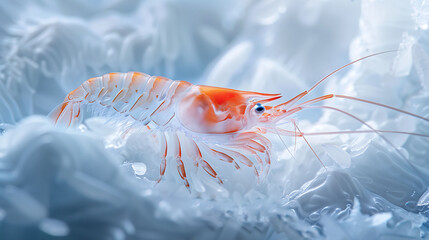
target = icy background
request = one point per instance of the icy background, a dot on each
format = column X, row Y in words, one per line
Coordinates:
column 69, row 184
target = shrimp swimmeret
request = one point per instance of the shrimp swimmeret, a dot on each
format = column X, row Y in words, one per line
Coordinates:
column 208, row 122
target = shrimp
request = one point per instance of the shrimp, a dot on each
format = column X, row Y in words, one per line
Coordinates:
column 204, row 121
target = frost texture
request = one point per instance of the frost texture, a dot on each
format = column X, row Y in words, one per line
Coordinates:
column 72, row 184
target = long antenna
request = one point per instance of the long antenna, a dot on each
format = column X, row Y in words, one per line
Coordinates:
column 339, row 69
column 298, row 97
column 380, row 134
column 309, row 145
column 284, row 144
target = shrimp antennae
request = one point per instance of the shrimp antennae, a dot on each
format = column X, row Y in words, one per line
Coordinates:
column 328, row 96
column 348, row 64
column 298, row 97
column 281, row 139
column 382, row 105
column 380, row 134
column 292, row 133
column 309, row 145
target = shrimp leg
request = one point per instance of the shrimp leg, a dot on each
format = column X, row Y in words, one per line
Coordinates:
column 247, row 140
column 180, row 166
column 204, row 164
column 241, row 158
column 163, row 164
column 223, row 157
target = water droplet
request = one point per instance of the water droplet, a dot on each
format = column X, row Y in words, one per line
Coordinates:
column 139, row 168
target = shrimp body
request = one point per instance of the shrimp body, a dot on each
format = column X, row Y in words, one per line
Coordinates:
column 199, row 123
column 203, row 121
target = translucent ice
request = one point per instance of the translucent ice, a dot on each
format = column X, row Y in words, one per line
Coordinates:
column 86, row 183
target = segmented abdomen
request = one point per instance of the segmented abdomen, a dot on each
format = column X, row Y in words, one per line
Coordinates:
column 139, row 96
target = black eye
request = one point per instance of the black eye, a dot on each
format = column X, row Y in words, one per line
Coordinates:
column 259, row 108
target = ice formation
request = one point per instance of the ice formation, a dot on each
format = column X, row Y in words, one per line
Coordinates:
column 82, row 184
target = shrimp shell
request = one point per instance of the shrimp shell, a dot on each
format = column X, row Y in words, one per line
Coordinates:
column 132, row 95
column 142, row 99
column 195, row 124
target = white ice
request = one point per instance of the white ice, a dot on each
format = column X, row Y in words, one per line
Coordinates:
column 82, row 184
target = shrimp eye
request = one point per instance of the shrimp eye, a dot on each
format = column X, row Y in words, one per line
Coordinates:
column 259, row 109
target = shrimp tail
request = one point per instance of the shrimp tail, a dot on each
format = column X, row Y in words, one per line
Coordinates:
column 66, row 114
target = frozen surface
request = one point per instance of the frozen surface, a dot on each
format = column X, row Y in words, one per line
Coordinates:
column 80, row 184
